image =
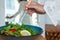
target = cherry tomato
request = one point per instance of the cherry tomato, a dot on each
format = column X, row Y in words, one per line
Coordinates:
column 13, row 30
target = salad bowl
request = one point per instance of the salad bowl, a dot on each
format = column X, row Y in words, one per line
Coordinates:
column 35, row 28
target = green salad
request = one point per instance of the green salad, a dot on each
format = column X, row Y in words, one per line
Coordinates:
column 17, row 30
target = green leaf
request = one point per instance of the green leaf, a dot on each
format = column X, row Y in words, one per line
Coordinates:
column 17, row 34
column 11, row 33
column 1, row 31
column 7, row 28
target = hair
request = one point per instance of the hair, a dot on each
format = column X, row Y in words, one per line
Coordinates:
column 21, row 0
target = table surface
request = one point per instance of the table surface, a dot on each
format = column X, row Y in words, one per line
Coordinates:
column 38, row 38
column 52, row 28
column 52, row 32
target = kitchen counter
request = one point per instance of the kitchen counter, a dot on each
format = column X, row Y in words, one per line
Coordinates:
column 38, row 38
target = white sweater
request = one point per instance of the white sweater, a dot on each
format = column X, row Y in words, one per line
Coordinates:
column 52, row 8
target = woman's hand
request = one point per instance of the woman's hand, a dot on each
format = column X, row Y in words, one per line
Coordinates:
column 34, row 7
column 9, row 17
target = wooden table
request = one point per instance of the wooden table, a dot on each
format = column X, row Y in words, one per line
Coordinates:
column 38, row 38
column 52, row 32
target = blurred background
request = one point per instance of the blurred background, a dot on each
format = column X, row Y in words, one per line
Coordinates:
column 10, row 7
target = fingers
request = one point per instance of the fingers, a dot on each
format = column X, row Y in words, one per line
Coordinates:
column 30, row 7
column 29, row 2
column 30, row 12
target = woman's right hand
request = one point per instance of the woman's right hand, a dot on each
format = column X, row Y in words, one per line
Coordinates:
column 37, row 8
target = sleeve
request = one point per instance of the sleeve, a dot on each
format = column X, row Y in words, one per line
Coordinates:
column 53, row 11
column 21, row 7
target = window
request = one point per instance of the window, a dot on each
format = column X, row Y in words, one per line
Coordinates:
column 10, row 6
